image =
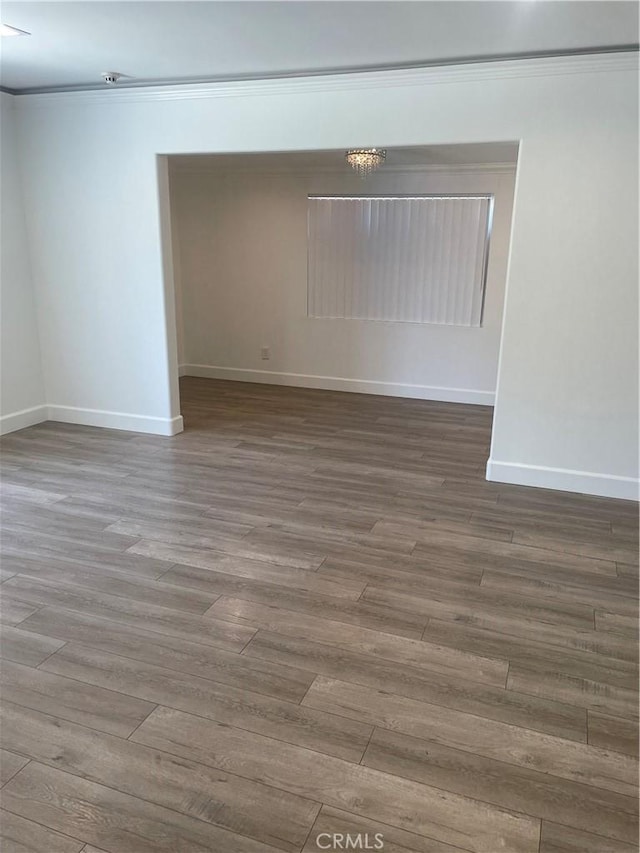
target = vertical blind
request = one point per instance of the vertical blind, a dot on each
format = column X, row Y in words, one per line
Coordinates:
column 414, row 260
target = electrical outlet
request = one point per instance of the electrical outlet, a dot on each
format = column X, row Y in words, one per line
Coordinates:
column 265, row 353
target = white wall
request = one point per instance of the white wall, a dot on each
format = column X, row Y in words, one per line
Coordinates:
column 242, row 244
column 22, row 398
column 566, row 409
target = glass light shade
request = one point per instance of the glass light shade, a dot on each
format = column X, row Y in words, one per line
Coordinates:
column 365, row 160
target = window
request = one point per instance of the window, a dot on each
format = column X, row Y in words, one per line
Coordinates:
column 419, row 259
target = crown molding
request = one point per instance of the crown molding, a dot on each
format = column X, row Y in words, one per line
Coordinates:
column 441, row 169
column 425, row 76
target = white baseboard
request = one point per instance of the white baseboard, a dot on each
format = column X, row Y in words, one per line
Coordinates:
column 338, row 383
column 116, row 420
column 564, row 480
column 23, row 418
column 90, row 417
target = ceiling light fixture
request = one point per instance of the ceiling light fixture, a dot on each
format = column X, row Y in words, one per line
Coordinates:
column 6, row 30
column 365, row 160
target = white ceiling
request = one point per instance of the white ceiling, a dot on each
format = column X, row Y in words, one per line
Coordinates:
column 71, row 43
column 426, row 155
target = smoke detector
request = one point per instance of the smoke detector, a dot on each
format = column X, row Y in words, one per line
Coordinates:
column 111, row 77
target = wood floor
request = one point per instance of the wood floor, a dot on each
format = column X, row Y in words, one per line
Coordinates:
column 310, row 614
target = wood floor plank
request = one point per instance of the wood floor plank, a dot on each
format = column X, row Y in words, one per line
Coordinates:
column 618, row 602
column 151, row 591
column 519, row 789
column 521, row 559
column 403, row 650
column 76, row 540
column 84, row 558
column 629, row 570
column 333, row 826
column 12, row 610
column 409, row 574
column 19, row 835
column 152, row 617
column 321, row 512
column 626, row 529
column 604, row 649
column 72, row 700
column 330, row 540
column 150, row 508
column 320, row 730
column 422, row 530
column 488, row 548
column 556, row 838
column 257, row 513
column 587, row 506
column 10, row 763
column 570, row 545
column 542, row 519
column 539, row 656
column 617, row 623
column 427, row 811
column 463, row 695
column 303, row 538
column 272, row 679
column 156, row 541
column 47, row 520
column 566, row 759
column 113, row 821
column 231, row 576
column 612, row 733
column 583, row 692
column 81, row 484
column 449, row 605
column 25, row 494
column 548, row 573
column 25, row 647
column 240, row 805
column 430, row 579
column 361, row 613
